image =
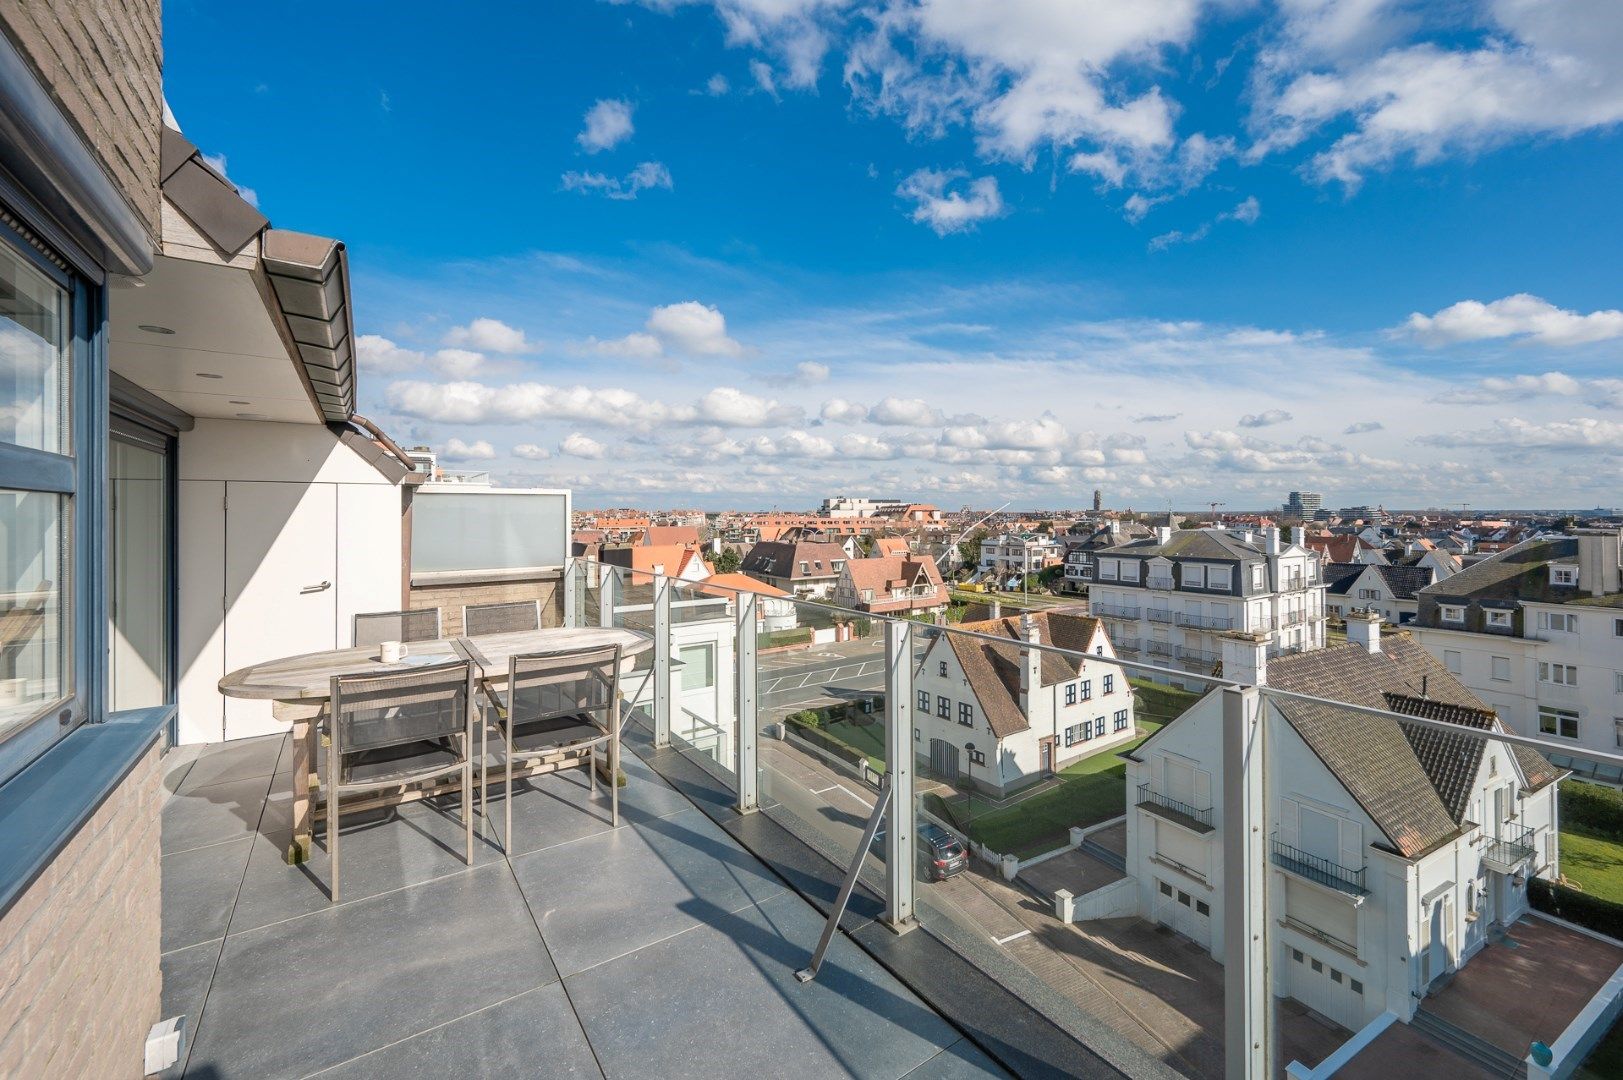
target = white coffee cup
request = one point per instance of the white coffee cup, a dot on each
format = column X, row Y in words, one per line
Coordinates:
column 392, row 652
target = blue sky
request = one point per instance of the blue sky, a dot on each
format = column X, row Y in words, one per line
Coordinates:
column 752, row 252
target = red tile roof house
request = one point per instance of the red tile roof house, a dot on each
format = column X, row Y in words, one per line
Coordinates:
column 1027, row 712
column 893, row 585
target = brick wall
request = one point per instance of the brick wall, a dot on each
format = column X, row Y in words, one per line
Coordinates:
column 450, row 599
column 102, row 60
column 79, row 966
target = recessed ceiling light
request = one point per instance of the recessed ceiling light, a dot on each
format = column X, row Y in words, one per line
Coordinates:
column 209, row 375
column 242, row 403
column 149, row 328
column 252, row 416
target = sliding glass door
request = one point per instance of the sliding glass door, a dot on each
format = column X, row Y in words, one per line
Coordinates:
column 141, row 660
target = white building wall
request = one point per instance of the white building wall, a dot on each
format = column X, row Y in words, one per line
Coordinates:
column 249, row 580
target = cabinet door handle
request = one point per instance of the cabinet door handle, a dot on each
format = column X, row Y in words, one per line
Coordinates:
column 323, row 587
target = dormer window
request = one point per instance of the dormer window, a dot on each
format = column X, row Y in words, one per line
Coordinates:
column 1564, row 577
column 1449, row 613
column 1498, row 618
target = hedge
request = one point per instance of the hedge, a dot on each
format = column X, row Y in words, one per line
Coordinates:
column 1594, row 808
column 1590, row 912
column 824, row 740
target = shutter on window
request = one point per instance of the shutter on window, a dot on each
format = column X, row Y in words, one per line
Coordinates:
column 1352, row 854
column 1287, row 822
column 1203, row 789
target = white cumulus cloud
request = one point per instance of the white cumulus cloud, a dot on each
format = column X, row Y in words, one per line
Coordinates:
column 608, row 123
column 489, row 335
column 581, row 446
column 1522, row 316
column 694, row 328
column 457, row 450
column 948, row 207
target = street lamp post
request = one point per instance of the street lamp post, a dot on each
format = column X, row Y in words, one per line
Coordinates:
column 969, row 797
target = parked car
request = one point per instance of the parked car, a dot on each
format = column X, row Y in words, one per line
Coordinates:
column 940, row 854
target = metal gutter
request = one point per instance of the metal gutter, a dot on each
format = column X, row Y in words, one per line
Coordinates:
column 310, row 277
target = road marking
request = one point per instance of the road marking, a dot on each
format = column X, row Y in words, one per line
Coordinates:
column 1011, row 937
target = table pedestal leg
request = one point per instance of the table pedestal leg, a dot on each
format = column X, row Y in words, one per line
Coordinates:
column 304, row 716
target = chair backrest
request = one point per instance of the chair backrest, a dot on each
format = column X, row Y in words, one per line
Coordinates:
column 501, row 618
column 546, row 686
column 376, row 627
column 372, row 711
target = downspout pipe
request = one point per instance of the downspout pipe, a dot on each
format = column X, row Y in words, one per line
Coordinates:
column 388, row 444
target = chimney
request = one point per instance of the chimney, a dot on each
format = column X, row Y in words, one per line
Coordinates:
column 1364, row 630
column 995, row 610
column 1299, row 535
column 1599, row 560
column 1245, row 657
column 1031, row 661
column 1270, row 540
column 1163, row 534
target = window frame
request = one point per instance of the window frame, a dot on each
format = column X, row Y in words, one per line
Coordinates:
column 78, row 477
column 923, row 702
column 943, row 708
column 966, row 714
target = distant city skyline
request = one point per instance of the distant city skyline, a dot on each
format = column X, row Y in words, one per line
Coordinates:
column 731, row 252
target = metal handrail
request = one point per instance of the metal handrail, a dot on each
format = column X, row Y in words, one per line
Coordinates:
column 1203, row 656
column 1156, row 614
column 1114, row 611
column 1160, row 648
column 1319, row 869
column 1160, row 583
column 1148, row 795
column 1513, row 847
column 1204, row 622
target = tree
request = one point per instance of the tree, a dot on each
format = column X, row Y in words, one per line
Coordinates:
column 727, row 561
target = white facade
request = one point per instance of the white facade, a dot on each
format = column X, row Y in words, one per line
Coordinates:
column 1369, row 591
column 285, row 534
column 1350, row 957
column 1565, row 683
column 1066, row 721
column 1014, row 554
column 1177, row 610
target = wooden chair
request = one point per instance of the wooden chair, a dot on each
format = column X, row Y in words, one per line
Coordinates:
column 501, row 618
column 556, row 710
column 394, row 731
column 376, row 627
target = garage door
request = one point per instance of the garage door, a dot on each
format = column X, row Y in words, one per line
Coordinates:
column 1326, row 988
column 1184, row 912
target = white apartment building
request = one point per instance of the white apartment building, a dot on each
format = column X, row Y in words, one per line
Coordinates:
column 1027, row 712
column 846, row 506
column 1536, row 631
column 1019, row 553
column 1394, row 848
column 1169, row 598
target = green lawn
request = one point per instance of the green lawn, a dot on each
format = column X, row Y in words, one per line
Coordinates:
column 1593, row 862
column 1091, row 790
column 1161, row 703
column 1605, row 1062
column 867, row 739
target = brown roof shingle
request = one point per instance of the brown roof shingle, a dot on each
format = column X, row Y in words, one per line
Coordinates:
column 993, row 668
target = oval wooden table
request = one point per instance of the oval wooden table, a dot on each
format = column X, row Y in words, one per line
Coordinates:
column 298, row 687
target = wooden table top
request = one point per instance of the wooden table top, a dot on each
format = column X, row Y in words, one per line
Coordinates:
column 308, row 677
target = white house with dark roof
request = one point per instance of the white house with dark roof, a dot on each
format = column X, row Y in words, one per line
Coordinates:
column 1394, row 848
column 1392, row 592
column 1028, row 712
column 801, row 568
column 1536, row 631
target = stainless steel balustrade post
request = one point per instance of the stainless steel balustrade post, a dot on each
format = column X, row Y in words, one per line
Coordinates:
column 744, row 696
